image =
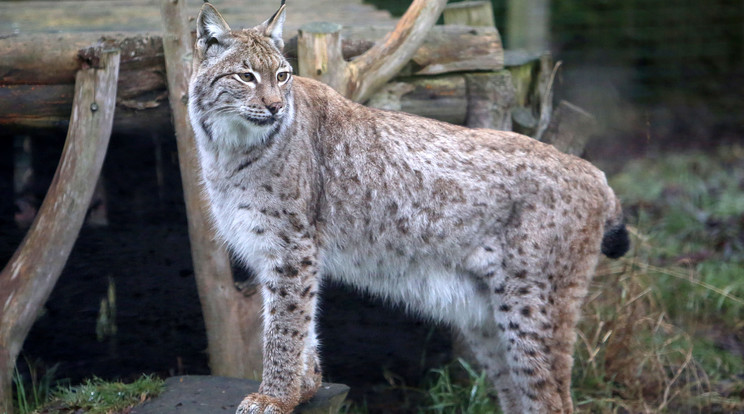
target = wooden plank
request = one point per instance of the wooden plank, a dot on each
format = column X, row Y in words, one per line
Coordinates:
column 28, row 279
column 233, row 322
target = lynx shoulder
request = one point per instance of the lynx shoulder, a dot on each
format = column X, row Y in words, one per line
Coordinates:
column 492, row 232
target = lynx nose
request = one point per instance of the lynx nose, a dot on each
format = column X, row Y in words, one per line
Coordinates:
column 275, row 107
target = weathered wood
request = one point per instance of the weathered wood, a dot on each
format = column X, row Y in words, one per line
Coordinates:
column 28, row 279
column 231, row 318
column 570, row 128
column 47, row 59
column 470, row 13
column 68, row 16
column 439, row 97
column 524, row 68
column 378, row 65
column 360, row 78
column 544, row 93
column 491, row 98
column 459, row 49
column 33, row 95
column 319, row 54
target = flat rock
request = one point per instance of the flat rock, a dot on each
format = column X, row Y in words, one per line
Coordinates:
column 194, row 394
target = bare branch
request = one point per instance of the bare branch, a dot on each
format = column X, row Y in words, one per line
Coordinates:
column 379, row 64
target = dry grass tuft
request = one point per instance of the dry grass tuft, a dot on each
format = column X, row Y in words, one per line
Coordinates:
column 630, row 358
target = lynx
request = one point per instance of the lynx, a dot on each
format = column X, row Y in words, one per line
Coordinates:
column 492, row 232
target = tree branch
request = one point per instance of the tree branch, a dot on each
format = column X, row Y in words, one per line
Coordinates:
column 381, row 63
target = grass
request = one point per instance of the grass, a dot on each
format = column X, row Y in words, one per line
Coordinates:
column 445, row 395
column 101, row 397
column 94, row 396
column 30, row 396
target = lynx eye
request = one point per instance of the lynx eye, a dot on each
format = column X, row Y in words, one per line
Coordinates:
column 282, row 76
column 246, row 77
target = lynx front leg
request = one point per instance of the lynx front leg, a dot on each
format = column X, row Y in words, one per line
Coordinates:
column 289, row 339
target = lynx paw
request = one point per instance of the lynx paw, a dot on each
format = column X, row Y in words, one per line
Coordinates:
column 262, row 404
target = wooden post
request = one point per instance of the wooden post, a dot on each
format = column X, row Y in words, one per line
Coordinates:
column 28, row 279
column 527, row 25
column 470, row 13
column 491, row 97
column 319, row 54
column 232, row 319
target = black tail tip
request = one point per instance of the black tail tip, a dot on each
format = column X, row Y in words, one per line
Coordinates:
column 616, row 241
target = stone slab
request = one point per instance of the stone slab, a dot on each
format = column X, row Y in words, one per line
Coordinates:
column 195, row 394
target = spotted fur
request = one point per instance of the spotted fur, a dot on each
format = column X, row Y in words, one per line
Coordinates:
column 492, row 232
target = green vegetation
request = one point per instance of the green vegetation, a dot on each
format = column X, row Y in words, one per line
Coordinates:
column 100, row 397
column 445, row 395
column 95, row 396
column 690, row 208
column 30, row 396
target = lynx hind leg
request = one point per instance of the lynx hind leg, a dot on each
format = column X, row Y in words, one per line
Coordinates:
column 538, row 290
column 489, row 351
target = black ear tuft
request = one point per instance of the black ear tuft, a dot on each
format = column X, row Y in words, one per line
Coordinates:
column 274, row 26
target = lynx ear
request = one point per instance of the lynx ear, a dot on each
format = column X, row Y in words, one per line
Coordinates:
column 274, row 25
column 211, row 31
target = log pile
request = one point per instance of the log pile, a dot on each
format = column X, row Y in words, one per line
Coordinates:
column 31, row 94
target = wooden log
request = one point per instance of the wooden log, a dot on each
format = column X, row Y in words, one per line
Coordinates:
column 470, row 13
column 362, row 77
column 543, row 95
column 524, row 68
column 232, row 319
column 439, row 97
column 319, row 54
column 49, row 59
column 33, row 95
column 28, row 279
column 491, row 98
column 446, row 49
column 459, row 49
column 570, row 128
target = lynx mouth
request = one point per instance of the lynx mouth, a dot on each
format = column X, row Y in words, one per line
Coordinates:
column 269, row 120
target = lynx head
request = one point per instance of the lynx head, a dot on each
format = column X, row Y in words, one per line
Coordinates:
column 240, row 91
